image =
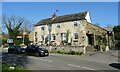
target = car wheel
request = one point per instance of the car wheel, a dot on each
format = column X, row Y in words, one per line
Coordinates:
column 37, row 54
column 9, row 52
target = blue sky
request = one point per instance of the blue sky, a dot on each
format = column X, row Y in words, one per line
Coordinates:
column 104, row 13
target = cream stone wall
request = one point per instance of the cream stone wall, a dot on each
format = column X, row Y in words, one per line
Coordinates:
column 64, row 26
column 82, row 29
column 96, row 31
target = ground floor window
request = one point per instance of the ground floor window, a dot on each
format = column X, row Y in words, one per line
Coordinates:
column 75, row 35
column 42, row 38
column 53, row 37
column 63, row 36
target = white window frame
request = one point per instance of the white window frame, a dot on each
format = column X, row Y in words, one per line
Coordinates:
column 64, row 36
column 57, row 26
column 76, row 23
column 52, row 37
column 42, row 38
column 42, row 27
column 74, row 36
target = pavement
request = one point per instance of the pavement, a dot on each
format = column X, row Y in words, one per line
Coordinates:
column 91, row 61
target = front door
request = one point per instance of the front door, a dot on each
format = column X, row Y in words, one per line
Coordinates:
column 90, row 39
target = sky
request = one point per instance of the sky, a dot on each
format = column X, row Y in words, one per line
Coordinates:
column 102, row 13
column 60, row 0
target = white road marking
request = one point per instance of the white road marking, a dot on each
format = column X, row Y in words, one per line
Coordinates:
column 80, row 67
column 45, row 60
column 39, row 59
column 88, row 68
column 116, row 62
column 73, row 65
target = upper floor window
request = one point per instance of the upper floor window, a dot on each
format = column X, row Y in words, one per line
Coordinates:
column 42, row 28
column 58, row 25
column 42, row 37
column 75, row 23
column 35, row 34
column 36, row 37
column 75, row 35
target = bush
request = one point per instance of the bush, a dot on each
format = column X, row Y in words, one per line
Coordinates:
column 5, row 45
column 72, row 52
column 58, row 52
column 103, row 47
column 17, row 42
column 4, row 41
column 63, row 51
column 27, row 41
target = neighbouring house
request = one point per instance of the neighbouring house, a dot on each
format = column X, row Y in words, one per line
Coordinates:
column 24, row 34
column 75, row 29
column 31, row 35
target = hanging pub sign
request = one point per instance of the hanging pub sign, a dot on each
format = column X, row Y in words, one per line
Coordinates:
column 110, row 33
column 9, row 40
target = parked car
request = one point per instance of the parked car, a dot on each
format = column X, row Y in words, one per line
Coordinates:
column 16, row 49
column 37, row 51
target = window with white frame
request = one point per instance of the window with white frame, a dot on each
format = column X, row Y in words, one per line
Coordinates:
column 35, row 34
column 58, row 25
column 36, row 37
column 42, row 38
column 63, row 35
column 42, row 28
column 75, row 23
column 75, row 35
column 53, row 37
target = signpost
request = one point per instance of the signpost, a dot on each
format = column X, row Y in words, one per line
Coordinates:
column 9, row 40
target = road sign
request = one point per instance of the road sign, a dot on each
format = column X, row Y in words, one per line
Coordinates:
column 9, row 40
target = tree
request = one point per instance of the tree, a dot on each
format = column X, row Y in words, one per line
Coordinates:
column 12, row 24
column 116, row 30
column 15, row 26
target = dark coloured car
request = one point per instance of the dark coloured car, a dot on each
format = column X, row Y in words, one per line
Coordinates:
column 16, row 49
column 37, row 51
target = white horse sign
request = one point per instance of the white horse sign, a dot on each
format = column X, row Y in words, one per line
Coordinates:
column 9, row 40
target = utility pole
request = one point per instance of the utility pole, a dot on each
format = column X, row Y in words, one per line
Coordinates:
column 23, row 35
column 49, row 33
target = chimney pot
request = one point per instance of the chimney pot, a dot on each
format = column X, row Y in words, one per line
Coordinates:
column 54, row 15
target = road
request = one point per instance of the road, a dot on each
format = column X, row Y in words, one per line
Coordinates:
column 61, row 62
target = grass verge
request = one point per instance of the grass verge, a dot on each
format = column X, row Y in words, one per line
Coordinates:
column 12, row 68
column 67, row 52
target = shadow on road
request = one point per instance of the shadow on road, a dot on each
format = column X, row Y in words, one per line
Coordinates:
column 115, row 65
column 15, row 59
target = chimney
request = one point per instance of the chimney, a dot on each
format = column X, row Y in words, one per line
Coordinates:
column 54, row 16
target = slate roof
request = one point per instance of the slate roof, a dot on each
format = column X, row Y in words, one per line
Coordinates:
column 64, row 18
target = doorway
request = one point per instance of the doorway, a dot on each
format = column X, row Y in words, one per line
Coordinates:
column 90, row 39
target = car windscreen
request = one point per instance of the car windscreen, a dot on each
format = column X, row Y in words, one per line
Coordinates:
column 41, row 48
column 18, row 47
column 15, row 47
